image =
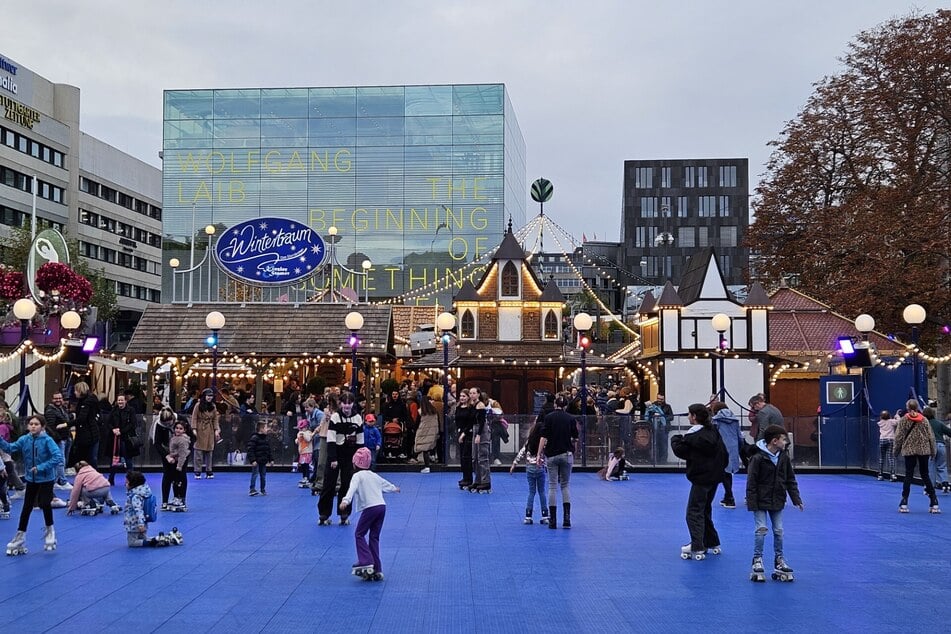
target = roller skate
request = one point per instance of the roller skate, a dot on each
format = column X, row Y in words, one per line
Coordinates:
column 687, row 552
column 946, row 487
column 115, row 509
column 362, row 571
column 160, row 541
column 464, row 484
column 903, row 506
column 17, row 545
column 376, row 576
column 175, row 537
column 934, row 504
column 880, row 477
column 323, row 520
column 894, row 477
column 177, row 505
column 716, row 550
column 544, row 519
column 623, row 477
column 757, row 572
column 781, row 570
column 528, row 517
column 345, row 520
column 482, row 487
column 5, row 514
column 92, row 509
column 49, row 538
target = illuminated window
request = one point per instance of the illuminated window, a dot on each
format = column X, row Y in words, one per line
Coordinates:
column 509, row 280
column 467, row 325
column 551, row 325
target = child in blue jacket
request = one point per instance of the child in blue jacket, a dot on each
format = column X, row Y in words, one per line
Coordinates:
column 41, row 456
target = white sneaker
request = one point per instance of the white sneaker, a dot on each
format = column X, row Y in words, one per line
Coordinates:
column 425, row 470
column 57, row 503
column 66, row 486
column 496, row 462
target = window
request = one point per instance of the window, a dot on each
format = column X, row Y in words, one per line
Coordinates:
column 703, row 239
column 643, row 177
column 665, row 177
column 467, row 325
column 689, row 176
column 727, row 236
column 728, row 176
column 707, row 206
column 665, row 207
column 702, row 176
column 509, row 280
column 648, row 207
column 551, row 325
column 644, row 236
column 683, row 206
column 726, row 264
column 686, row 237
column 723, row 206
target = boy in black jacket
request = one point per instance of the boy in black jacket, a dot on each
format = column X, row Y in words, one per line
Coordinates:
column 259, row 456
column 706, row 455
column 770, row 477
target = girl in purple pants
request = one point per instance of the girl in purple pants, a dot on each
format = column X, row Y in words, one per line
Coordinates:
column 368, row 489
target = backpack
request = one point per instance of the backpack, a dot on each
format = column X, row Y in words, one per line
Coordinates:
column 150, row 508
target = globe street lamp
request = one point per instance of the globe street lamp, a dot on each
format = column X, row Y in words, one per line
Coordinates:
column 366, row 265
column 215, row 321
column 865, row 324
column 582, row 323
column 174, row 263
column 914, row 315
column 332, row 239
column 721, row 323
column 210, row 232
column 24, row 310
column 70, row 320
column 445, row 322
column 354, row 322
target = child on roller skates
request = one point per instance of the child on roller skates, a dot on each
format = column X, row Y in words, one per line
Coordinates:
column 91, row 488
column 305, row 452
column 260, row 458
column 886, row 441
column 136, row 519
column 368, row 489
column 617, row 468
column 41, row 456
column 536, row 473
column 770, row 478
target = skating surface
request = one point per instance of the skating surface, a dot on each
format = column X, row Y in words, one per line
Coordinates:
column 457, row 562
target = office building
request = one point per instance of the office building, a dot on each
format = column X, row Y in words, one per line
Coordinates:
column 671, row 208
column 107, row 200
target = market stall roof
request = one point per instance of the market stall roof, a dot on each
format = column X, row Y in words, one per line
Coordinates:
column 277, row 329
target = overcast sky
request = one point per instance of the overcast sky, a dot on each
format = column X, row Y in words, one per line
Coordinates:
column 593, row 83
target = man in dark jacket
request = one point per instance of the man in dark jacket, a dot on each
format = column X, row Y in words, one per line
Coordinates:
column 706, row 456
column 770, row 477
column 57, row 428
column 125, row 436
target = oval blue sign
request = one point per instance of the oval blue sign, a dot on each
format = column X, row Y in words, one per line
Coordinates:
column 270, row 251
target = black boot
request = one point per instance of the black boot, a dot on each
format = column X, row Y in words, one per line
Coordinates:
column 566, row 521
column 551, row 517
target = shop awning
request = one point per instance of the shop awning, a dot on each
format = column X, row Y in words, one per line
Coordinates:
column 139, row 367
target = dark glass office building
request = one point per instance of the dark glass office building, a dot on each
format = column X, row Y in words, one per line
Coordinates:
column 420, row 180
column 673, row 207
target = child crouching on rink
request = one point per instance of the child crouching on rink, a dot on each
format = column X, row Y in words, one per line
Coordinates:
column 136, row 518
column 92, row 489
column 368, row 488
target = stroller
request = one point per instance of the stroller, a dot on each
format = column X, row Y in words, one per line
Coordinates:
column 392, row 439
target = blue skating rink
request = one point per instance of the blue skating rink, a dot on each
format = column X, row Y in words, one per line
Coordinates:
column 456, row 561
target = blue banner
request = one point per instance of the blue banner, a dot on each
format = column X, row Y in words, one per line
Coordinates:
column 270, row 251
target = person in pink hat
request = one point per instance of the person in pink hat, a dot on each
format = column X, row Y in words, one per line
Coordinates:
column 368, row 489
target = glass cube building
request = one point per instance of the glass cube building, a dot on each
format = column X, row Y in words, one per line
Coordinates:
column 420, row 180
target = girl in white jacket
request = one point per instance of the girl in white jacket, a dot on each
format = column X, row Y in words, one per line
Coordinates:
column 368, row 488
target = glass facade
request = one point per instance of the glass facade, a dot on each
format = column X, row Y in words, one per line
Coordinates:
column 420, row 180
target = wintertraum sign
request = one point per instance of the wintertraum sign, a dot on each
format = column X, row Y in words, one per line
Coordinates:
column 268, row 251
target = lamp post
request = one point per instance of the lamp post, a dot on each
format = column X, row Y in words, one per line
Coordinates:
column 721, row 323
column 354, row 322
column 174, row 263
column 210, row 232
column 366, row 265
column 215, row 321
column 914, row 315
column 24, row 310
column 582, row 323
column 445, row 322
column 865, row 324
column 332, row 240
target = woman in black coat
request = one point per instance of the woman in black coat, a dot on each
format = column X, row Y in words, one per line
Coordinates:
column 85, row 423
column 125, row 434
